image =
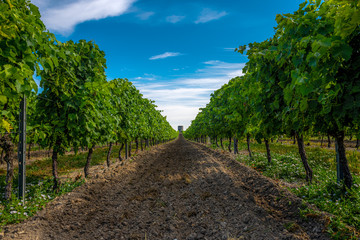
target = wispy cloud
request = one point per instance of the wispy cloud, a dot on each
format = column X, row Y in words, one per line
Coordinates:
column 63, row 18
column 229, row 49
column 145, row 15
column 180, row 105
column 181, row 97
column 220, row 69
column 174, row 18
column 208, row 15
column 165, row 55
column 178, row 95
column 179, row 115
column 147, row 76
column 215, row 83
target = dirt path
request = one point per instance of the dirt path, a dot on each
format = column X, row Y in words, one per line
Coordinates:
column 179, row 190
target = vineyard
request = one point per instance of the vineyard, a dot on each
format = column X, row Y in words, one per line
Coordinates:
column 77, row 107
column 302, row 83
column 268, row 176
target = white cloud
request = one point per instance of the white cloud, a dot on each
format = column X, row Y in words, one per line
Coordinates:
column 179, row 115
column 223, row 65
column 224, row 69
column 184, row 95
column 229, row 49
column 145, row 15
column 235, row 73
column 180, row 105
column 181, row 97
column 208, row 15
column 165, row 55
column 215, row 83
column 63, row 18
column 146, row 76
column 174, row 18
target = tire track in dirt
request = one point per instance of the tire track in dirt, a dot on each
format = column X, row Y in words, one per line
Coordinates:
column 180, row 190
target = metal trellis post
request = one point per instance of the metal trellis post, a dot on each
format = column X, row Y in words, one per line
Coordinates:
column 339, row 171
column 22, row 149
column 126, row 150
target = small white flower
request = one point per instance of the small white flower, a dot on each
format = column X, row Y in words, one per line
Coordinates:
column 25, row 213
column 13, row 212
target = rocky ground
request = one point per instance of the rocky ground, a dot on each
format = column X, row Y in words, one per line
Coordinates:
column 179, row 190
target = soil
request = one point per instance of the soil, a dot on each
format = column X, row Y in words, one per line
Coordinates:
column 179, row 190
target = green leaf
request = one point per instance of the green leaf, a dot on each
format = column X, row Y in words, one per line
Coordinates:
column 50, row 63
column 303, row 105
column 344, row 51
column 18, row 85
column 305, row 89
column 312, row 60
column 278, row 18
column 34, row 9
column 9, row 70
column 325, row 42
column 297, row 77
column 5, row 125
column 276, row 104
column 287, row 95
column 55, row 61
column 3, row 99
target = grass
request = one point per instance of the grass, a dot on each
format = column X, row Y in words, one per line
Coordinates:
column 71, row 162
column 40, row 183
column 37, row 195
column 324, row 192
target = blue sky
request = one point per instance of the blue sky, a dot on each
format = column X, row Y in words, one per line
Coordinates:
column 175, row 52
